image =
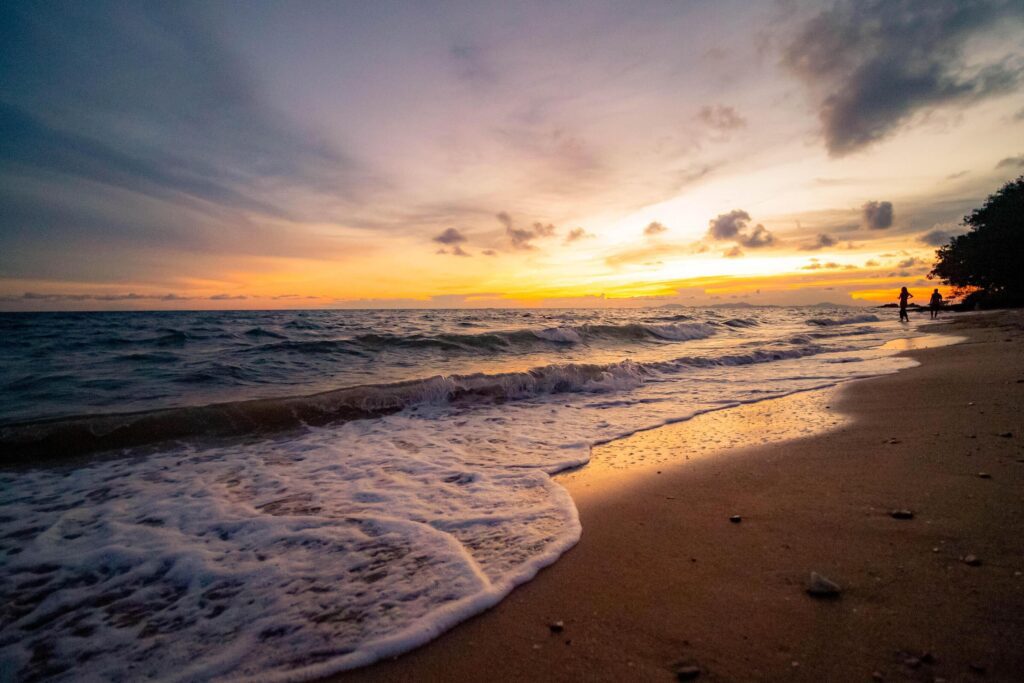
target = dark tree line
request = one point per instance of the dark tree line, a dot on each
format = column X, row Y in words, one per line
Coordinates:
column 987, row 263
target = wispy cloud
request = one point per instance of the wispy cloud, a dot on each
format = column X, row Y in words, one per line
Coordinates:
column 576, row 234
column 721, row 117
column 653, row 229
column 1011, row 162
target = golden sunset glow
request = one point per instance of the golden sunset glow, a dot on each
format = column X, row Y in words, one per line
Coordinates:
column 472, row 169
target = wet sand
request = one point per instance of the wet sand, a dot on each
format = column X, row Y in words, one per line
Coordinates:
column 662, row 579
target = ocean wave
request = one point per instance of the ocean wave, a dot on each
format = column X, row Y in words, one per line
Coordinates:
column 845, row 320
column 496, row 341
column 261, row 332
column 92, row 433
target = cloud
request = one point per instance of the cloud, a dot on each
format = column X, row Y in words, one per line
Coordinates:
column 733, row 226
column 830, row 265
column 727, row 226
column 160, row 143
column 1012, row 162
column 454, row 251
column 577, row 234
column 910, row 262
column 721, row 117
column 936, row 238
column 228, row 297
column 734, row 252
column 872, row 64
column 654, row 228
column 759, row 238
column 822, row 241
column 877, row 215
column 489, row 252
column 522, row 238
column 450, row 236
column 870, row 263
column 542, row 230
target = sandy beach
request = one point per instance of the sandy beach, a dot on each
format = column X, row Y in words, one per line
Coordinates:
column 663, row 579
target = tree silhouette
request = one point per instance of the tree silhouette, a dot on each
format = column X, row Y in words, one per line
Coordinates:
column 987, row 263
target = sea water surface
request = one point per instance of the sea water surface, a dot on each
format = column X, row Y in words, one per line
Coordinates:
column 281, row 495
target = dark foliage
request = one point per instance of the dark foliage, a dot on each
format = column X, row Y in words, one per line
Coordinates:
column 987, row 263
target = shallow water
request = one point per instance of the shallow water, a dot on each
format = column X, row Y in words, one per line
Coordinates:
column 311, row 550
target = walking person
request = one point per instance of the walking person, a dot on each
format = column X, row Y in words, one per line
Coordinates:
column 935, row 304
column 904, row 296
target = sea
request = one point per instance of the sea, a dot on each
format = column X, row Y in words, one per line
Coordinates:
column 280, row 495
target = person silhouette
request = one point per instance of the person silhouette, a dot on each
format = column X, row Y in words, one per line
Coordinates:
column 904, row 295
column 935, row 303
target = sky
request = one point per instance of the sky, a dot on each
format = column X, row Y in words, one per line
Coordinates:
column 475, row 154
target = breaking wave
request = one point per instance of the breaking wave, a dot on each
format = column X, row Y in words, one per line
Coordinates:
column 90, row 433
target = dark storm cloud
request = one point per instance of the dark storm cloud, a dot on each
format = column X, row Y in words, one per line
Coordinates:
column 727, row 226
column 877, row 215
column 143, row 98
column 872, row 64
column 654, row 228
column 822, row 241
column 450, row 236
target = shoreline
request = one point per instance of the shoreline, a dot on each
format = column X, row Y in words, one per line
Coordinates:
column 660, row 564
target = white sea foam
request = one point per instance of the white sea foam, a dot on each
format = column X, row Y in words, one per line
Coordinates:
column 291, row 558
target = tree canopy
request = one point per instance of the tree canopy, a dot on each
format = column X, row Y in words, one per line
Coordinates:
column 988, row 261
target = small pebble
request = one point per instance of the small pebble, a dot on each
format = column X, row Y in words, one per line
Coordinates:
column 984, row 475
column 821, row 587
column 877, row 676
column 928, row 658
column 912, row 662
column 976, row 667
column 1007, row 435
column 972, row 560
column 902, row 514
column 557, row 627
column 687, row 673
column 735, row 519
